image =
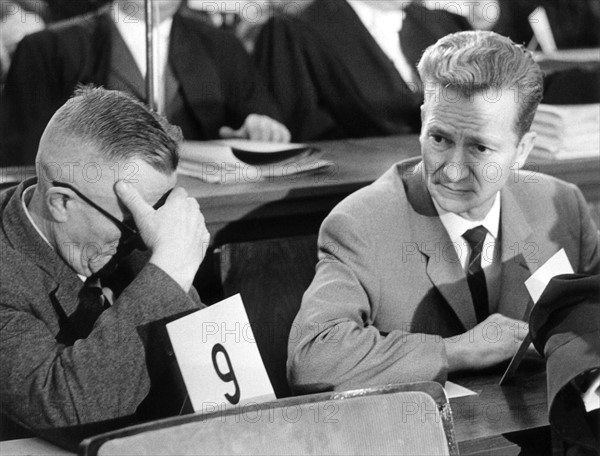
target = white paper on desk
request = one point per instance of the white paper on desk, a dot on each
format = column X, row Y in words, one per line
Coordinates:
column 556, row 265
column 216, row 162
column 218, row 357
column 455, row 390
column 260, row 147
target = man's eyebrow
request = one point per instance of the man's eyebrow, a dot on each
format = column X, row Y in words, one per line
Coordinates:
column 438, row 129
column 480, row 138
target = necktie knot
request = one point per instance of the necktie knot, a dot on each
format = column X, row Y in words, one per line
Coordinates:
column 475, row 237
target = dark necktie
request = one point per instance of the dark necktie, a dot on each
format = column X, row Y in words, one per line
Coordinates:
column 475, row 276
column 92, row 303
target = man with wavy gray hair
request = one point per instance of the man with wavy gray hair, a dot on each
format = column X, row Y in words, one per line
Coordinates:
column 422, row 273
column 80, row 305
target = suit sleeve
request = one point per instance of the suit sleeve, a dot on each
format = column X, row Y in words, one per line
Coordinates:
column 589, row 249
column 333, row 343
column 105, row 376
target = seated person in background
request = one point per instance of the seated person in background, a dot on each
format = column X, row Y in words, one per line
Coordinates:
column 422, row 273
column 76, row 352
column 209, row 85
column 344, row 69
column 574, row 24
column 18, row 18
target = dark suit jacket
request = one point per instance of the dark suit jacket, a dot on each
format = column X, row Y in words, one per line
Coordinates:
column 389, row 285
column 53, row 379
column 565, row 329
column 331, row 78
column 217, row 83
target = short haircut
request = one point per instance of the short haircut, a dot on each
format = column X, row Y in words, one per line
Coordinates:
column 473, row 62
column 120, row 127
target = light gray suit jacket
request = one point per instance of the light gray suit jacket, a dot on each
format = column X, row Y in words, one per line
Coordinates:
column 389, row 285
column 50, row 378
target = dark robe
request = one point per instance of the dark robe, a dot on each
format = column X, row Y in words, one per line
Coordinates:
column 331, row 78
column 215, row 81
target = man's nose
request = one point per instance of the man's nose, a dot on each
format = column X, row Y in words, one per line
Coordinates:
column 455, row 167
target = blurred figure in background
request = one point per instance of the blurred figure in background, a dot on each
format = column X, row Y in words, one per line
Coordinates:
column 18, row 19
column 482, row 14
column 209, row 86
column 575, row 24
column 348, row 68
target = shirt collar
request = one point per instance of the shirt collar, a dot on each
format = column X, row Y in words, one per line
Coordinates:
column 371, row 16
column 24, row 198
column 456, row 225
column 134, row 34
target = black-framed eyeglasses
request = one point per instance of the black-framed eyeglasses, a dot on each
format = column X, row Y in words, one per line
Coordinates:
column 127, row 230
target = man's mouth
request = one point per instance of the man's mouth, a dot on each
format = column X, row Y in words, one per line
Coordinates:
column 453, row 189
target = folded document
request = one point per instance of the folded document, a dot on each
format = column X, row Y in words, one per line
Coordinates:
column 235, row 161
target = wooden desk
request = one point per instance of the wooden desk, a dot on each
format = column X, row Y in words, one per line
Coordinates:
column 298, row 204
column 480, row 421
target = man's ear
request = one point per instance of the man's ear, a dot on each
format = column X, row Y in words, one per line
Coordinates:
column 58, row 203
column 524, row 147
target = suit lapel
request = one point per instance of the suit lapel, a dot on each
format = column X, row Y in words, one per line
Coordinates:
column 519, row 258
column 431, row 238
column 124, row 73
column 26, row 239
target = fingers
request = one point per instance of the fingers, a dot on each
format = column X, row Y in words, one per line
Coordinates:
column 134, row 202
column 229, row 133
column 518, row 329
column 258, row 128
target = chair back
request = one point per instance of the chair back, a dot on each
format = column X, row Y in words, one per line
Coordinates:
column 271, row 276
column 407, row 419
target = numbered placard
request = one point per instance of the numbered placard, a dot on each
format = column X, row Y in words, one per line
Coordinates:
column 218, row 357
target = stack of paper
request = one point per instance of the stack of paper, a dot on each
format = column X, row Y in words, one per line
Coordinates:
column 239, row 161
column 567, row 131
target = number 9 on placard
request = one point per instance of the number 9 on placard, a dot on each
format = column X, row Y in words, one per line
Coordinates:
column 228, row 376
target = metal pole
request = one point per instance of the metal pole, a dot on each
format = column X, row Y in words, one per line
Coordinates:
column 151, row 62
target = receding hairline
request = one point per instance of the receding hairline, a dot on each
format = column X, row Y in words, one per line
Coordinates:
column 115, row 125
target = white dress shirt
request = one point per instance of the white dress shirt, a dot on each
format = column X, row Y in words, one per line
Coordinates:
column 384, row 26
column 133, row 33
column 456, row 226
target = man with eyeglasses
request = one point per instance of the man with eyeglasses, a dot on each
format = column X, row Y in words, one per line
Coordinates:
column 81, row 346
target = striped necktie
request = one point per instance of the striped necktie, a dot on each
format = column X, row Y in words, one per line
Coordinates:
column 475, row 275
